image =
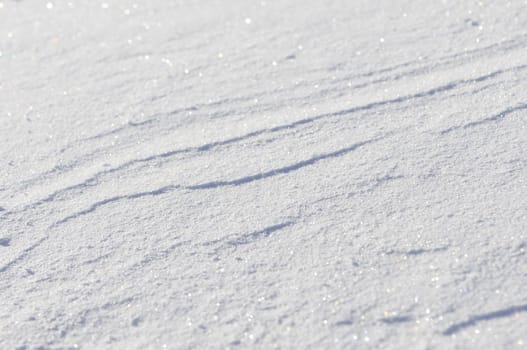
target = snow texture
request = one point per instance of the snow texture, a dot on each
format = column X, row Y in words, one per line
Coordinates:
column 290, row 174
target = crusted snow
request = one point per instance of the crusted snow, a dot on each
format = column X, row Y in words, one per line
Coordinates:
column 263, row 174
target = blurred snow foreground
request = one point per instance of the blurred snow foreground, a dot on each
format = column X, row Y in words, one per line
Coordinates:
column 263, row 174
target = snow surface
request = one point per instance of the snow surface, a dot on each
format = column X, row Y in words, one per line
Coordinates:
column 263, row 174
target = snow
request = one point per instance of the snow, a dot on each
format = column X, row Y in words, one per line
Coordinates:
column 263, row 174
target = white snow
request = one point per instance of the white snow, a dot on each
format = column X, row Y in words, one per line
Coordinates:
column 263, row 174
